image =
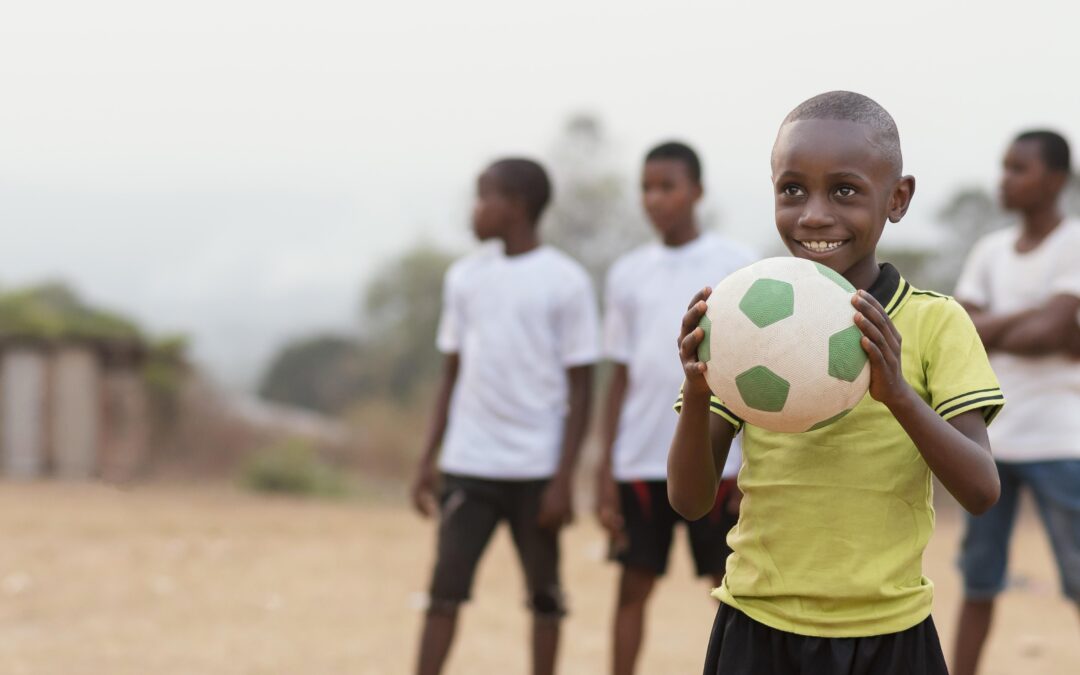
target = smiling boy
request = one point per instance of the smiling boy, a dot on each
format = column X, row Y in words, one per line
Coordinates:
column 826, row 570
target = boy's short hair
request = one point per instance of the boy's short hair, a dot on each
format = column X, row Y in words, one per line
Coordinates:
column 524, row 179
column 853, row 107
column 1054, row 149
column 678, row 152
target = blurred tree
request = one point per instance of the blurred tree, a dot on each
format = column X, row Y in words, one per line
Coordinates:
column 401, row 314
column 54, row 310
column 592, row 216
column 394, row 355
column 970, row 214
column 323, row 373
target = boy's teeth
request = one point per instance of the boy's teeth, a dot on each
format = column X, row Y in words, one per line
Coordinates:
column 820, row 246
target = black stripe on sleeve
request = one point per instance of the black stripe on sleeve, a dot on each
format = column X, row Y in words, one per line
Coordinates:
column 999, row 398
column 970, row 393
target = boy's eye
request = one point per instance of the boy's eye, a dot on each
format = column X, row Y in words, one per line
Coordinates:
column 845, row 191
column 791, row 190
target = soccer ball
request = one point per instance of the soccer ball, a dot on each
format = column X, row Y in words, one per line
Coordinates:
column 782, row 347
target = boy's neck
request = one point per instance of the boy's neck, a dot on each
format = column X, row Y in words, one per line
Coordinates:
column 679, row 236
column 1041, row 221
column 864, row 273
column 520, row 239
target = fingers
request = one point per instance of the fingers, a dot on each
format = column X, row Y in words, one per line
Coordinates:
column 874, row 315
column 423, row 501
column 688, row 345
column 703, row 294
column 873, row 337
column 692, row 319
column 611, row 520
column 869, row 306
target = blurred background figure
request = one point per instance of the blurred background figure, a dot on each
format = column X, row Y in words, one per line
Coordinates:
column 520, row 333
column 645, row 295
column 1021, row 286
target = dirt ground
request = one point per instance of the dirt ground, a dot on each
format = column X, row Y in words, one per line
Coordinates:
column 207, row 580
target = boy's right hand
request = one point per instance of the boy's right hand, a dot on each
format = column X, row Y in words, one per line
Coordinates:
column 423, row 489
column 690, row 338
column 608, row 507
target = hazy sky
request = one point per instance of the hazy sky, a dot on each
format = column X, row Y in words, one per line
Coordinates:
column 235, row 169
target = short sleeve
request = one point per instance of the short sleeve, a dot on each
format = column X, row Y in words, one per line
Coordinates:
column 577, row 324
column 717, row 407
column 448, row 337
column 618, row 318
column 972, row 286
column 958, row 374
column 1066, row 278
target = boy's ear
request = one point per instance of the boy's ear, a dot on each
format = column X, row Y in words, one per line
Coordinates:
column 699, row 191
column 1058, row 180
column 901, row 198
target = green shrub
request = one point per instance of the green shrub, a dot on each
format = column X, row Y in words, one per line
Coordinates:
column 293, row 467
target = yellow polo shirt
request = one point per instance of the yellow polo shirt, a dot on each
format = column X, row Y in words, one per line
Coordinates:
column 833, row 522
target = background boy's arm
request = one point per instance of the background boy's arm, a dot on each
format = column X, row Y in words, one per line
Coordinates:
column 1050, row 328
column 702, row 439
column 957, row 450
column 556, row 505
column 608, row 510
column 423, row 487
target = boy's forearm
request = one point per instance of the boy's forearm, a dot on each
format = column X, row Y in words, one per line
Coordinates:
column 1049, row 329
column 692, row 472
column 577, row 419
column 991, row 327
column 616, row 394
column 964, row 466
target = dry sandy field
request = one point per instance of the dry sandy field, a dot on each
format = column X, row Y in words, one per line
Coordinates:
column 201, row 580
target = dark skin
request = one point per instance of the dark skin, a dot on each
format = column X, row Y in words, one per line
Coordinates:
column 1033, row 190
column 498, row 214
column 833, row 184
column 669, row 195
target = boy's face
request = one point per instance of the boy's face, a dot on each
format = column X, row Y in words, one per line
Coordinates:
column 493, row 208
column 1026, row 182
column 835, row 187
column 668, row 194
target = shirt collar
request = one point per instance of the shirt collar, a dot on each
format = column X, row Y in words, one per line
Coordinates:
column 890, row 289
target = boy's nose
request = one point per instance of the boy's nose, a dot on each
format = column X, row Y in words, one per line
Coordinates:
column 816, row 214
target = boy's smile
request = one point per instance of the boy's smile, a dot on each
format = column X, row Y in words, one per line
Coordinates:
column 835, row 187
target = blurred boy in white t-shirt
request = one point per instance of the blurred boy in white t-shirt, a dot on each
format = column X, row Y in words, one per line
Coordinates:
column 519, row 329
column 1021, row 286
column 645, row 296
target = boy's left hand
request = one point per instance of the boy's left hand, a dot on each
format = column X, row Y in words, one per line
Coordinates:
column 556, row 504
column 881, row 342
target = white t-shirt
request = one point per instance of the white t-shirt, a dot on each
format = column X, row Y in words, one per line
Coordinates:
column 1042, row 418
column 518, row 322
column 647, row 292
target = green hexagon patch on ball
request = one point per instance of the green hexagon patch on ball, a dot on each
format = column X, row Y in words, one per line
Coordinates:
column 768, row 301
column 835, row 276
column 846, row 355
column 762, row 389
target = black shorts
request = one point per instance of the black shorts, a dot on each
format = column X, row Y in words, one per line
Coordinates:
column 650, row 524
column 741, row 646
column 470, row 508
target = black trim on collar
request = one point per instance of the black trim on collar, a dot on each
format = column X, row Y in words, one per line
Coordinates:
column 884, row 287
column 890, row 289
